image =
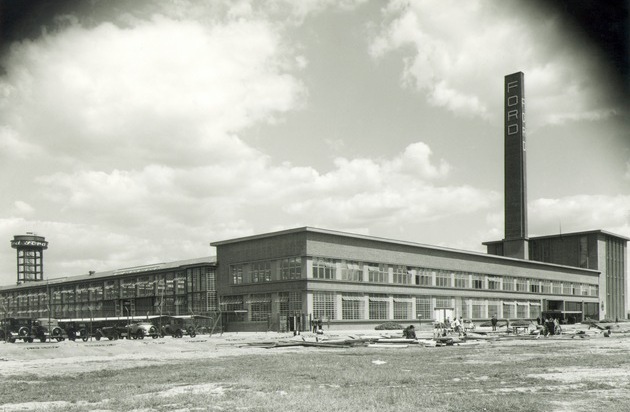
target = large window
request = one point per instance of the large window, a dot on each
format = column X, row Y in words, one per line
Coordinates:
column 557, row 288
column 478, row 282
column 351, row 271
column 424, row 310
column 232, row 305
column 402, row 307
column 522, row 310
column 379, row 306
column 401, row 276
column 323, row 268
column 493, row 308
column 567, row 288
column 324, row 305
column 353, row 306
column 261, row 272
column 443, row 279
column 546, row 286
column 424, row 277
column 461, row 280
column 521, row 285
column 494, row 283
column 236, row 274
column 291, row 268
column 534, row 285
column 290, row 303
column 260, row 307
column 378, row 273
column 508, row 283
column 444, row 302
column 509, row 310
column 478, row 309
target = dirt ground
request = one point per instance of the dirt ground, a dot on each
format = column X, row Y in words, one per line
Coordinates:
column 68, row 358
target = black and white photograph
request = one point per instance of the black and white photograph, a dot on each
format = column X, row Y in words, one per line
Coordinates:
column 314, row 205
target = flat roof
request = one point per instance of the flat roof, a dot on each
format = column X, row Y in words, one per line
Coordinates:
column 568, row 234
column 390, row 241
column 212, row 260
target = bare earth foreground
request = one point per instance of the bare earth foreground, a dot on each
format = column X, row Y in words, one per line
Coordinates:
column 237, row 371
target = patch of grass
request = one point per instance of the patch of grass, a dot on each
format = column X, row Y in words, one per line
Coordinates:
column 485, row 377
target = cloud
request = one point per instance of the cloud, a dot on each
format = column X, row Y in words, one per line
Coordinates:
column 581, row 212
column 160, row 91
column 454, row 50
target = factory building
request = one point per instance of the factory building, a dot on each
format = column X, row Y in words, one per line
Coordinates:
column 285, row 280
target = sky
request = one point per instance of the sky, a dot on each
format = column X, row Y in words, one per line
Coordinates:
column 137, row 132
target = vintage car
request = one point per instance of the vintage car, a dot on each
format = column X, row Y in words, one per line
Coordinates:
column 138, row 330
column 178, row 330
column 111, row 332
column 47, row 329
column 12, row 329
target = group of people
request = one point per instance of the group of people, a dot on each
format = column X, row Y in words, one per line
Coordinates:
column 549, row 326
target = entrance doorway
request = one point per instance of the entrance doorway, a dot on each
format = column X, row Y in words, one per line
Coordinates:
column 441, row 314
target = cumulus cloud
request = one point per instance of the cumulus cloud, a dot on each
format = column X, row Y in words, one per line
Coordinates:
column 164, row 90
column 453, row 50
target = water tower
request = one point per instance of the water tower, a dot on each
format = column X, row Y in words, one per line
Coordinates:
column 30, row 257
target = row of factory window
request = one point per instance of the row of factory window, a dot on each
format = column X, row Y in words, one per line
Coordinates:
column 354, row 306
column 354, row 271
column 164, row 285
column 259, row 307
column 194, row 303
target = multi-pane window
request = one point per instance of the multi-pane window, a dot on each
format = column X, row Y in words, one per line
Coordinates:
column 444, row 302
column 493, row 308
column 534, row 285
column 567, row 288
column 509, row 310
column 478, row 309
column 111, row 290
column 508, row 283
column 424, row 277
column 593, row 290
column 443, row 279
column 401, row 276
column 236, row 274
column 423, row 307
column 545, row 286
column 290, row 302
column 82, row 293
column 557, row 288
column 234, row 306
column 180, row 284
column 402, row 307
column 584, row 290
column 260, row 307
column 261, row 272
column 494, row 283
column 128, row 287
column 145, row 286
column 378, row 273
column 521, row 285
column 463, row 308
column 324, row 305
column 522, row 310
column 291, row 268
column 379, row 306
column 461, row 280
column 352, row 306
column 351, row 271
column 478, row 281
column 323, row 268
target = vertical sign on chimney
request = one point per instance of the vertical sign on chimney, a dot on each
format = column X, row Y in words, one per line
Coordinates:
column 515, row 167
